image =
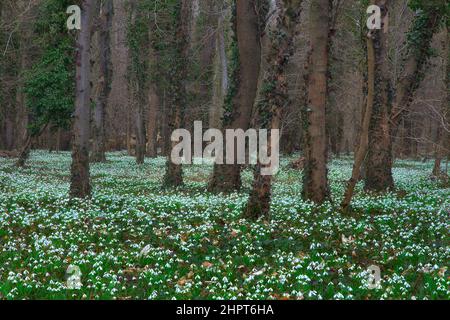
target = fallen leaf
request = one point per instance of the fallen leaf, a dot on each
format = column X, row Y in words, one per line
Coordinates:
column 346, row 240
column 234, row 233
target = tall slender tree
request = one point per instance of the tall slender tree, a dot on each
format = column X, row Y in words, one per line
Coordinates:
column 220, row 78
column 245, row 66
column 385, row 120
column 154, row 102
column 80, row 186
column 315, row 181
column 273, row 96
column 443, row 130
column 178, row 76
column 104, row 80
column 376, row 97
column 139, row 44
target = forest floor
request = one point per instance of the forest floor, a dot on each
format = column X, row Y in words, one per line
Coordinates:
column 135, row 240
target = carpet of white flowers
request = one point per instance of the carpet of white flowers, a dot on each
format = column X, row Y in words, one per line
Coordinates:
column 136, row 240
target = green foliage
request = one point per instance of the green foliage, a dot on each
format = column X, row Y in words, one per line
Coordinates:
column 424, row 26
column 427, row 5
column 50, row 83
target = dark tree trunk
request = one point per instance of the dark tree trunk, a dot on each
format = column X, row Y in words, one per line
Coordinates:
column 220, row 81
column 153, row 111
column 165, row 135
column 207, row 18
column 387, row 117
column 139, row 46
column 104, row 82
column 361, row 151
column 80, row 186
column 140, row 131
column 245, row 65
column 24, row 151
column 379, row 159
column 174, row 172
column 315, row 181
column 152, row 132
column 443, row 134
column 438, row 153
column 273, row 98
column 21, row 109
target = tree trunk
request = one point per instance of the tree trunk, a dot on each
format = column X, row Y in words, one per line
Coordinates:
column 128, row 136
column 139, row 42
column 165, row 135
column 273, row 98
column 205, row 14
column 80, row 181
column 361, row 152
column 443, row 135
column 140, row 130
column 24, row 151
column 152, row 132
column 174, row 172
column 220, row 82
column 245, row 65
column 58, row 140
column 104, row 82
column 21, row 108
column 315, row 182
column 438, row 153
column 387, row 117
column 379, row 158
column 153, row 110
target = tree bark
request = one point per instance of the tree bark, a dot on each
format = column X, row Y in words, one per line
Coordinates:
column 220, row 77
column 205, row 15
column 246, row 61
column 152, row 132
column 273, row 98
column 174, row 172
column 443, row 135
column 21, row 108
column 361, row 152
column 386, row 118
column 25, row 150
column 315, row 182
column 140, row 130
column 104, row 82
column 153, row 110
column 80, row 186
column 139, row 47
